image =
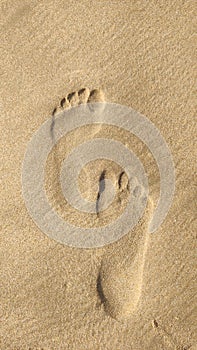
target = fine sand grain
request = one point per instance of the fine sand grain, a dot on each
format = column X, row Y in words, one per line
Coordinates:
column 138, row 293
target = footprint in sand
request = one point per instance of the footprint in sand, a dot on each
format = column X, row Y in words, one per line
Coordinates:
column 76, row 98
column 120, row 276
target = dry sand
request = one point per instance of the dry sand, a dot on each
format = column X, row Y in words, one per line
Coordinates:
column 139, row 292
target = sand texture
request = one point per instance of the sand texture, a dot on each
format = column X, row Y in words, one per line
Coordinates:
column 138, row 293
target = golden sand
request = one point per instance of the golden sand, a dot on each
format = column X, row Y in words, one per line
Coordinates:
column 139, row 292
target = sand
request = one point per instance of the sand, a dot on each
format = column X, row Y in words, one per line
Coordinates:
column 137, row 293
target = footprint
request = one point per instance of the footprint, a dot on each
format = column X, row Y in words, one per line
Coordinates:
column 88, row 98
column 79, row 97
column 120, row 279
column 76, row 98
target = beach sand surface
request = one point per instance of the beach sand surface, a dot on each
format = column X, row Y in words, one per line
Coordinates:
column 138, row 293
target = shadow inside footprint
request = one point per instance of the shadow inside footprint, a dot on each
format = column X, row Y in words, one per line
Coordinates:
column 101, row 189
column 100, row 290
